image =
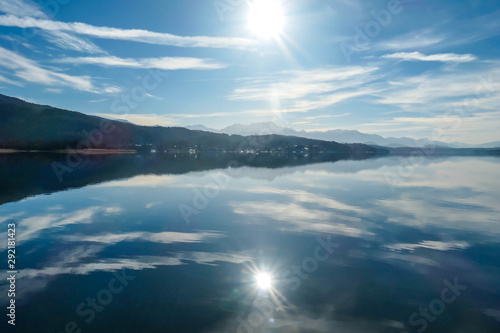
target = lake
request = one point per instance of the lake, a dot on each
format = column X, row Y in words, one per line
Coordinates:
column 150, row 243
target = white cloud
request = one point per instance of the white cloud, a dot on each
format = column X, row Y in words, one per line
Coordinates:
column 473, row 209
column 111, row 89
column 155, row 97
column 297, row 218
column 412, row 40
column 430, row 88
column 160, row 237
column 464, row 103
column 309, row 198
column 149, row 181
column 298, row 84
column 307, row 90
column 30, row 9
column 141, row 119
column 135, row 35
column 133, row 263
column 30, row 71
column 328, row 116
column 263, row 112
column 209, row 258
column 478, row 128
column 21, row 8
column 103, row 265
column 327, row 100
column 165, row 63
column 32, row 226
column 70, row 42
column 9, row 81
column 432, row 245
column 100, row 100
column 443, row 57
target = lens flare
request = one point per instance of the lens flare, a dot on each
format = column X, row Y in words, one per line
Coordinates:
column 265, row 18
column 263, row 280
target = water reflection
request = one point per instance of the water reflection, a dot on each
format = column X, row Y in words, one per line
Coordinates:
column 345, row 252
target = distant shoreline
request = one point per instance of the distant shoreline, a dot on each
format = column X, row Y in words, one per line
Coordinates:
column 402, row 151
column 72, row 151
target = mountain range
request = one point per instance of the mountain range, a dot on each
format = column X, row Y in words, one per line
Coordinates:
column 28, row 126
column 338, row 135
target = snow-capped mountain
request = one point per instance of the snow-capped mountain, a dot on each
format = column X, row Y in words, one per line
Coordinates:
column 341, row 136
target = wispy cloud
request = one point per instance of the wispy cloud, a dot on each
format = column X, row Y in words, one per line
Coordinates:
column 31, row 10
column 160, row 237
column 473, row 128
column 135, row 35
column 16, row 41
column 155, row 97
column 100, row 100
column 298, row 84
column 54, row 90
column 295, row 217
column 262, row 112
column 308, row 89
column 71, row 42
column 166, row 63
column 109, row 89
column 431, row 245
column 30, row 71
column 463, row 102
column 32, row 226
column 308, row 198
column 9, row 81
column 446, row 33
column 149, row 181
column 141, row 119
column 328, row 100
column 434, row 88
column 21, row 8
column 412, row 40
column 328, row 116
column 443, row 57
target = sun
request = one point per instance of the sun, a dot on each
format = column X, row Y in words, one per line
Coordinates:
column 265, row 18
column 263, row 281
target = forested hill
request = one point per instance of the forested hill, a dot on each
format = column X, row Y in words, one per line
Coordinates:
column 31, row 126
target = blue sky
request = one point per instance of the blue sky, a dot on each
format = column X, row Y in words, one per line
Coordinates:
column 410, row 68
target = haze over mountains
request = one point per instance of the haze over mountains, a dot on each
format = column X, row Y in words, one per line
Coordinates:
column 31, row 126
column 338, row 135
column 28, row 126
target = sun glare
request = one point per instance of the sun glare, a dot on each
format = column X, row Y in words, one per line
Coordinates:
column 264, row 281
column 265, row 18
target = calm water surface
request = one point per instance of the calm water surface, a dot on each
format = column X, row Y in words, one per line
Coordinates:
column 346, row 249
